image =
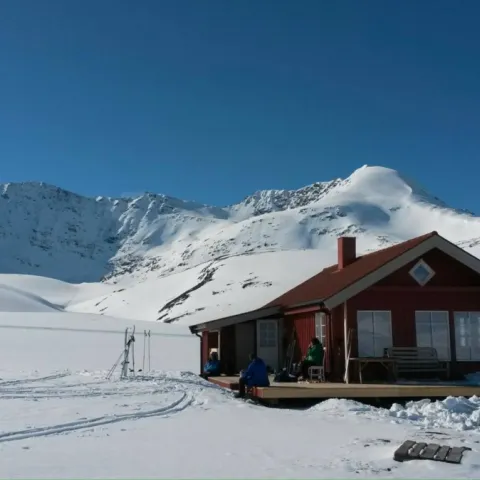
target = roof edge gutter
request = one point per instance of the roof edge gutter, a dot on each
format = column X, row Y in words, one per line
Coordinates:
column 227, row 321
column 311, row 309
column 311, row 303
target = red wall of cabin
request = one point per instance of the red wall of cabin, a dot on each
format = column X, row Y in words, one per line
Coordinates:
column 448, row 273
column 453, row 288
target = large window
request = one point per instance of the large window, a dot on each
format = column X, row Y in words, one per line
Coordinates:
column 321, row 326
column 374, row 331
column 433, row 330
column 467, row 336
column 267, row 332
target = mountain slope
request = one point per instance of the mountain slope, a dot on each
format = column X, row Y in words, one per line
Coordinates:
column 171, row 260
column 51, row 232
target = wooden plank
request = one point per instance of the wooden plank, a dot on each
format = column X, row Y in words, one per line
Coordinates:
column 455, row 455
column 421, row 370
column 401, row 453
column 416, row 450
column 415, row 359
column 442, row 453
column 341, row 390
column 225, row 382
column 430, row 450
column 418, row 365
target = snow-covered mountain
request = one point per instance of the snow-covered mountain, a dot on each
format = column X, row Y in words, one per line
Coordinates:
column 161, row 258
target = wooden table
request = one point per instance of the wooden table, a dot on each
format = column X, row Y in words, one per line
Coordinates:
column 388, row 363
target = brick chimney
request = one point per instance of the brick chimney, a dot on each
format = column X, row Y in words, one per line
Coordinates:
column 347, row 251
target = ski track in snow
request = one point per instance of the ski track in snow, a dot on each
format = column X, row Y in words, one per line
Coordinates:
column 175, row 407
column 148, row 385
column 35, row 379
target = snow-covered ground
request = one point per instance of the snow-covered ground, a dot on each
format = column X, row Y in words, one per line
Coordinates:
column 61, row 418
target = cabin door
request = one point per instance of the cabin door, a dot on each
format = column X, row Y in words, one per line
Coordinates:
column 267, row 342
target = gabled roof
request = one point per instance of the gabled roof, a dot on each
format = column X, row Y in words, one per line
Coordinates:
column 332, row 286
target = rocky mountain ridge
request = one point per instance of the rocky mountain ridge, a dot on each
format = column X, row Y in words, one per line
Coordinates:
column 48, row 231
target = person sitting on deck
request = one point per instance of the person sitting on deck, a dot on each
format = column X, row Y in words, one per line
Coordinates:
column 255, row 375
column 212, row 367
column 314, row 357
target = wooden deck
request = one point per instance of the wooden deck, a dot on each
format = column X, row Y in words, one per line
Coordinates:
column 278, row 391
column 225, row 382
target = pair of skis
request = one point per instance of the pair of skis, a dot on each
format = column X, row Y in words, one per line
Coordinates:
column 128, row 344
column 146, row 346
column 129, row 347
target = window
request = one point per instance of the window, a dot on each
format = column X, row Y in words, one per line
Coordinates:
column 268, row 333
column 433, row 330
column 374, row 331
column 321, row 327
column 467, row 336
column 422, row 273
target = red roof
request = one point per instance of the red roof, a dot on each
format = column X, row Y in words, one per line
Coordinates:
column 331, row 281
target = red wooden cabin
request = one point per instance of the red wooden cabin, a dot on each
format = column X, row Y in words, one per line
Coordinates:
column 422, row 292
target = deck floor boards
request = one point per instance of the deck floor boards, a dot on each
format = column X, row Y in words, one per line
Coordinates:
column 278, row 391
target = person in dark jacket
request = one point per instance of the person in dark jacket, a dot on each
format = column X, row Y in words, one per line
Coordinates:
column 255, row 375
column 314, row 357
column 212, row 367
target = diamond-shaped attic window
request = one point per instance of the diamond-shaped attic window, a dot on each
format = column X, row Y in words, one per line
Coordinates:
column 422, row 273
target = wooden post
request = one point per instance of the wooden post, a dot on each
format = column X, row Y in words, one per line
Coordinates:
column 345, row 341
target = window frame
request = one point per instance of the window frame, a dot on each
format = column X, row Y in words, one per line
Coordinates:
column 376, row 353
column 270, row 339
column 430, row 312
column 426, row 266
column 472, row 358
column 321, row 327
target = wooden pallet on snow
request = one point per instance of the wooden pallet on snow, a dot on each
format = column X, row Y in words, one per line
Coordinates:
column 411, row 450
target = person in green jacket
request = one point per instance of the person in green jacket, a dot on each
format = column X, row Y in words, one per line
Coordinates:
column 314, row 357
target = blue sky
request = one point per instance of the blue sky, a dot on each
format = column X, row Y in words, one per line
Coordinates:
column 211, row 100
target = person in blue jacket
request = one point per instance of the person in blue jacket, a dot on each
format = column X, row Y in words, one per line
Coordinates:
column 255, row 375
column 212, row 367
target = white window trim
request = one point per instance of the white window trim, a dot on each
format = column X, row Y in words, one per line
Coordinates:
column 448, row 324
column 373, row 312
column 471, row 359
column 427, row 267
column 321, row 328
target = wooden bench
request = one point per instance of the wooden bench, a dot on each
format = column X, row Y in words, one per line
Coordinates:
column 412, row 360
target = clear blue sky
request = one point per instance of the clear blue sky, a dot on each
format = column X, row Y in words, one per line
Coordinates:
column 211, row 100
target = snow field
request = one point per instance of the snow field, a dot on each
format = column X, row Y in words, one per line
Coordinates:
column 69, row 341
column 61, row 418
